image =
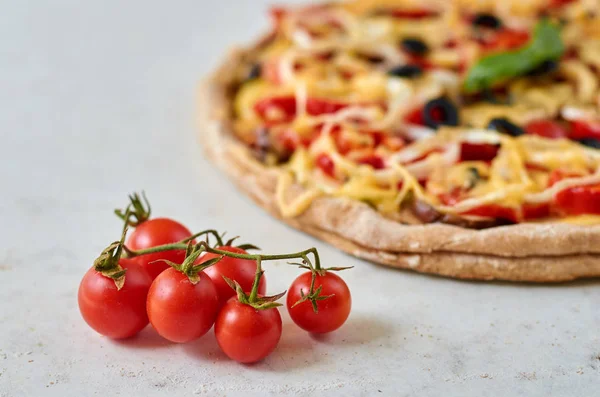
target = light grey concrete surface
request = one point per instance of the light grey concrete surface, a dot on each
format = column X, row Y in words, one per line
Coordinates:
column 97, row 100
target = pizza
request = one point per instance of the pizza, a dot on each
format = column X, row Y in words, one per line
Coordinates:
column 459, row 138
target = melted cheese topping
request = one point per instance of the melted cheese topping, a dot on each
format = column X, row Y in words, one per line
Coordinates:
column 329, row 104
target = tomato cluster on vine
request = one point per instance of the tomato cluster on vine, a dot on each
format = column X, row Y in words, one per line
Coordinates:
column 160, row 274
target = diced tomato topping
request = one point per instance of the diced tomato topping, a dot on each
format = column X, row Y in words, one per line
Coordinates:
column 394, row 142
column 535, row 211
column 451, row 43
column 374, row 161
column 326, row 164
column 585, row 129
column 547, row 129
column 290, row 140
column 506, row 39
column 378, row 137
column 579, row 200
column 559, row 3
column 415, row 116
column 286, row 107
column 558, row 175
column 527, row 211
column 343, row 144
column 325, row 56
column 495, row 211
column 413, row 14
column 420, row 61
column 478, row 151
column 316, row 106
column 452, row 197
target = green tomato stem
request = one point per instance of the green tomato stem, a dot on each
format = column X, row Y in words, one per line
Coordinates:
column 259, row 273
column 207, row 248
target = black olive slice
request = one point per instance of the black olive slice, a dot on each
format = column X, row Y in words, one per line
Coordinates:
column 504, row 126
column 590, row 142
column 440, row 111
column 414, row 46
column 487, row 21
column 407, row 71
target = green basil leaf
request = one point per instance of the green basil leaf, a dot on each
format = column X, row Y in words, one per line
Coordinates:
column 546, row 45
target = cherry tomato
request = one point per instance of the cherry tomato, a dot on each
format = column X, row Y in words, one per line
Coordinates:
column 240, row 270
column 245, row 334
column 581, row 129
column 579, row 200
column 179, row 310
column 158, row 231
column 547, row 129
column 115, row 313
column 333, row 312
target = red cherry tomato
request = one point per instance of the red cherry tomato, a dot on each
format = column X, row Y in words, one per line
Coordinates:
column 115, row 313
column 579, row 200
column 326, row 164
column 240, row 270
column 179, row 310
column 333, row 312
column 158, row 231
column 547, row 129
column 581, row 129
column 245, row 334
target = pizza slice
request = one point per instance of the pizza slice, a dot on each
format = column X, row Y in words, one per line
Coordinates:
column 460, row 138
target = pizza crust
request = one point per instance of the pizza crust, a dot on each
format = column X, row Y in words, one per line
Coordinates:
column 525, row 252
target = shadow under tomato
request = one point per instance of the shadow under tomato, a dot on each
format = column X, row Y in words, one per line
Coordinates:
column 358, row 330
column 147, row 338
column 299, row 349
column 205, row 348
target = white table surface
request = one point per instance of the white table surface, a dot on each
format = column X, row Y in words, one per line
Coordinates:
column 97, row 100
